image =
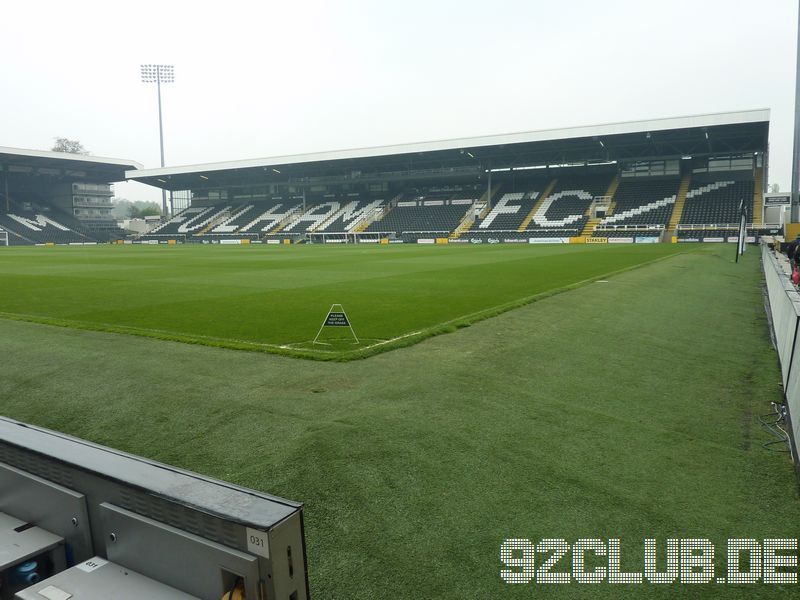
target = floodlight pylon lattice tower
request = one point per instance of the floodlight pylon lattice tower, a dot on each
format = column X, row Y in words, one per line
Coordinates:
column 159, row 74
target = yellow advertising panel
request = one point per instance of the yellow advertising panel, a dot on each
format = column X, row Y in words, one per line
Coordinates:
column 791, row 231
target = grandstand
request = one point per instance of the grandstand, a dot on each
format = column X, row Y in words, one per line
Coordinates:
column 555, row 209
column 608, row 182
column 604, row 182
column 40, row 227
column 57, row 198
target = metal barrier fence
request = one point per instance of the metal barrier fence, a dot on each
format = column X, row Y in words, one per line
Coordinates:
column 784, row 309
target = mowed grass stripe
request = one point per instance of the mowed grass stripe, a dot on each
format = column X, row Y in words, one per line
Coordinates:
column 269, row 297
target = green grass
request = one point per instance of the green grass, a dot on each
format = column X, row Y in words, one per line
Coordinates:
column 274, row 298
column 625, row 409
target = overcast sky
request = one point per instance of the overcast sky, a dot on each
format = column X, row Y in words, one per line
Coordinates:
column 257, row 79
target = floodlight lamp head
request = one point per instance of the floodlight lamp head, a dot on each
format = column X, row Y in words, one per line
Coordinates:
column 158, row 73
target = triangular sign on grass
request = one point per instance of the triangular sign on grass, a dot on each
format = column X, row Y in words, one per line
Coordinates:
column 336, row 317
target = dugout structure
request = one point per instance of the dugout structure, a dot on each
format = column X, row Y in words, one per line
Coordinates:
column 81, row 520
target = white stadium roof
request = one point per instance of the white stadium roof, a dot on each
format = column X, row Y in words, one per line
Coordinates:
column 25, row 153
column 547, row 135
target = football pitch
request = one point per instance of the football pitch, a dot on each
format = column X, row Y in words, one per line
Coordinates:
column 275, row 298
column 625, row 408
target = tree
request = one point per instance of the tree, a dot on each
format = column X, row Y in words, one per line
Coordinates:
column 69, row 146
column 122, row 208
column 125, row 209
column 774, row 188
column 140, row 210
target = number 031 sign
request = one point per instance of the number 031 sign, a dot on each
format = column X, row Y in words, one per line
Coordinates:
column 257, row 542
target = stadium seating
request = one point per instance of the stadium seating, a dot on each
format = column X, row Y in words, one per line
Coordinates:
column 508, row 212
column 269, row 216
column 423, row 216
column 276, row 216
column 643, row 201
column 349, row 215
column 228, row 220
column 41, row 227
column 315, row 214
column 332, row 215
column 565, row 207
column 716, row 202
column 238, row 216
column 180, row 221
column 641, row 207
